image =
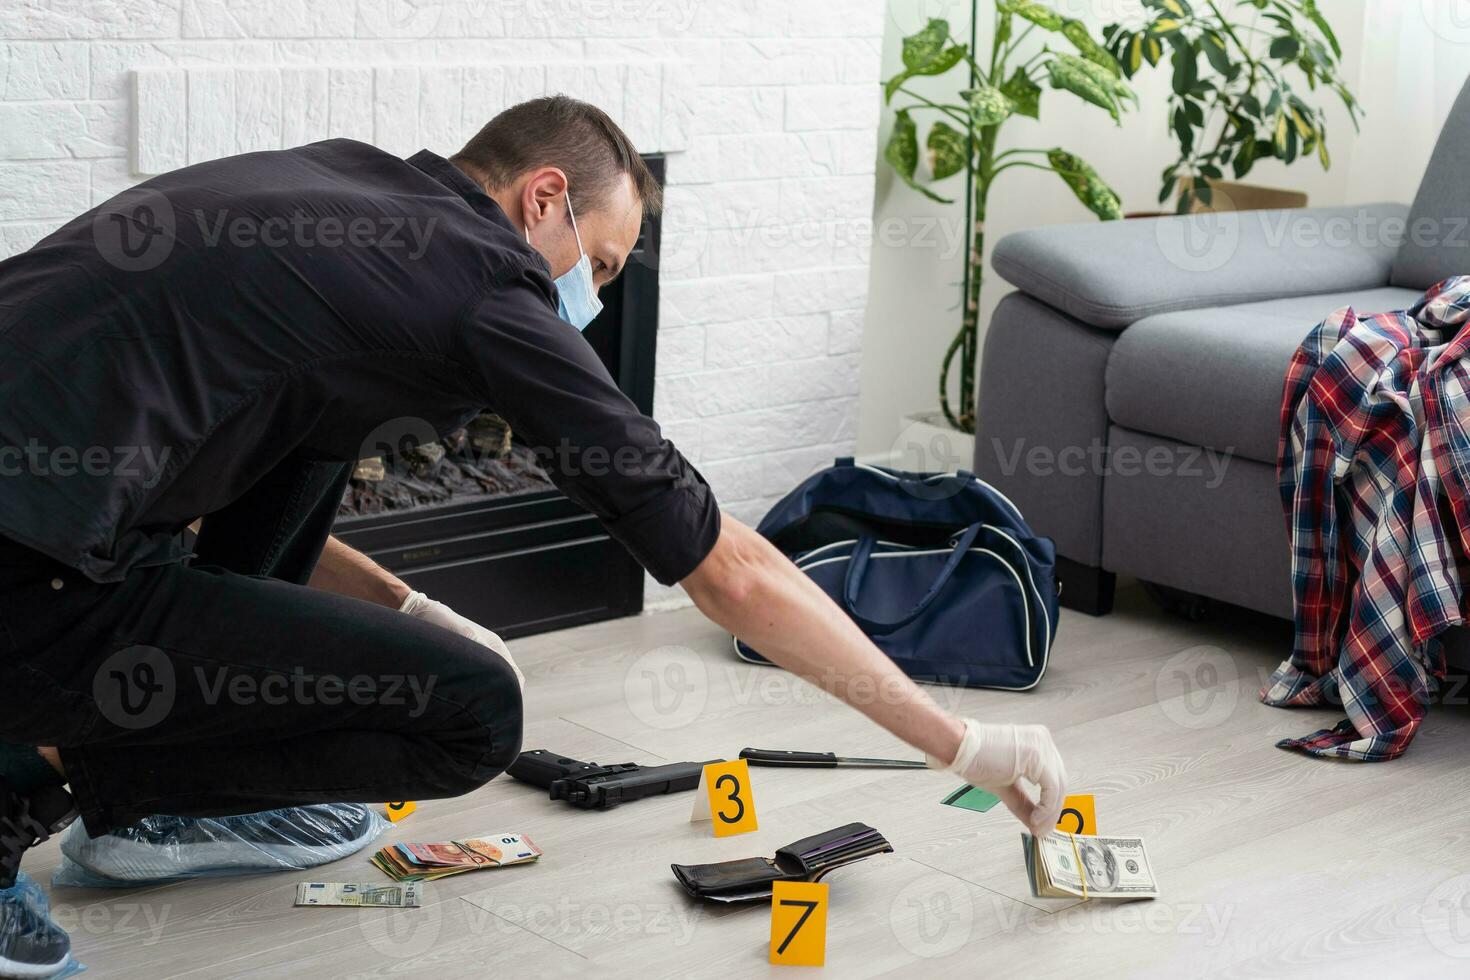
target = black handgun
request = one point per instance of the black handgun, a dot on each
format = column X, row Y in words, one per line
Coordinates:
column 589, row 786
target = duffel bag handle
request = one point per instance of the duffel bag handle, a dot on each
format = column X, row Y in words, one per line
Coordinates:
column 857, row 568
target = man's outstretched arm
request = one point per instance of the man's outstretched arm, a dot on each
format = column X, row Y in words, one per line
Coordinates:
column 755, row 592
column 751, row 589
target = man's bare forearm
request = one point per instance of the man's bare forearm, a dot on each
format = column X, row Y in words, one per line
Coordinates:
column 752, row 590
column 348, row 572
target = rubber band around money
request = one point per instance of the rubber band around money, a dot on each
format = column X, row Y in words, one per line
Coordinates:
column 1081, row 868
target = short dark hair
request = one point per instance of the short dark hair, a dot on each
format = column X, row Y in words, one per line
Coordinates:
column 558, row 131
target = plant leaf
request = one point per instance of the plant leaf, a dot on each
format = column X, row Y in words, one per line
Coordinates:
column 894, row 84
column 1285, row 48
column 1120, row 89
column 1283, row 130
column 946, row 60
column 1215, row 51
column 1025, row 95
column 1183, row 131
column 1081, row 38
column 1310, row 7
column 949, row 150
column 1168, row 188
column 988, row 105
column 902, row 153
column 1186, row 69
column 1241, row 165
column 921, row 48
column 1090, row 82
column 1065, row 75
column 1303, row 127
column 1097, row 196
column 1037, row 13
column 1133, row 60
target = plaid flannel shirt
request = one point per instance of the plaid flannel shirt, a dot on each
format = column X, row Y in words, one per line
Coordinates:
column 1374, row 471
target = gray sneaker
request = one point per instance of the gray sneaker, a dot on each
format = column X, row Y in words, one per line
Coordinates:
column 162, row 848
column 31, row 945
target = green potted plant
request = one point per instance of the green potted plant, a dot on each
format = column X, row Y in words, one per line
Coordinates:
column 1245, row 89
column 963, row 134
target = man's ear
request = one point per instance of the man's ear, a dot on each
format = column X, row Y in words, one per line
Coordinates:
column 543, row 190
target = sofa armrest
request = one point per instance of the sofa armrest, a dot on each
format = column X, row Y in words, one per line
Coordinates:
column 1110, row 274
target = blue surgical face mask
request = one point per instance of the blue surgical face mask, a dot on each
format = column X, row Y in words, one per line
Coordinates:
column 577, row 301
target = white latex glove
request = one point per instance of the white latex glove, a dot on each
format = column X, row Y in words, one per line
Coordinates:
column 420, row 606
column 998, row 757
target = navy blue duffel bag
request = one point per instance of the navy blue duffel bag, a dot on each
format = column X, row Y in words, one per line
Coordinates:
column 939, row 569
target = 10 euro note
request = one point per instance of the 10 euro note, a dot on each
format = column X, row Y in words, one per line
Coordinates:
column 406, row 895
column 1085, row 866
column 503, row 849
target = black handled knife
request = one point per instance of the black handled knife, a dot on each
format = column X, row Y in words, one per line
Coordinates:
column 821, row 760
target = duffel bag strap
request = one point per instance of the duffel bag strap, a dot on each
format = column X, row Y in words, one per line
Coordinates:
column 857, row 568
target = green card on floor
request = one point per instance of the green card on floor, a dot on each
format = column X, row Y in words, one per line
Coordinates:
column 970, row 798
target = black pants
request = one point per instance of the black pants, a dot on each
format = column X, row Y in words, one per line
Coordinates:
column 225, row 686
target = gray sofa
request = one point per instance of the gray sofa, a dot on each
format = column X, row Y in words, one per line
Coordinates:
column 1131, row 385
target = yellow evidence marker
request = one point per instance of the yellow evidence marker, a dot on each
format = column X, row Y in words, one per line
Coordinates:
column 798, row 923
column 397, row 811
column 724, row 796
column 1079, row 815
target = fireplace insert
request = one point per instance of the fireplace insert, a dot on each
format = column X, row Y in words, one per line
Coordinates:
column 474, row 522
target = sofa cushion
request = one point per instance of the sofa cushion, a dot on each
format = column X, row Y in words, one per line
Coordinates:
column 1213, row 377
column 1113, row 273
column 1436, row 239
column 1212, row 530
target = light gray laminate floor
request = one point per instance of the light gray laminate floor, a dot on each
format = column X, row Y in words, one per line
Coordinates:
column 1270, row 863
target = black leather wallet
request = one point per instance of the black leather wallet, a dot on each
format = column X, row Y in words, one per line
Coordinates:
column 809, row 859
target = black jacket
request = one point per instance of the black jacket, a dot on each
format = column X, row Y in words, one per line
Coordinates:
column 161, row 353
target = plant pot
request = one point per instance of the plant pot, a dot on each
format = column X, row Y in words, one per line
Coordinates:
column 927, row 443
column 1228, row 195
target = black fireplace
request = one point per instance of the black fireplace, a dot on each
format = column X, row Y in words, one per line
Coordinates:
column 508, row 550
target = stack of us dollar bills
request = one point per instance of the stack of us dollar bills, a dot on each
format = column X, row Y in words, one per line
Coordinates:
column 1082, row 866
column 429, row 862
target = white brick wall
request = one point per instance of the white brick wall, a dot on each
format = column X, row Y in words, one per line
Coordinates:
column 191, row 114
column 768, row 110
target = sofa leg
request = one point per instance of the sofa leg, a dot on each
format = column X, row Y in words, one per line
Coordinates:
column 1085, row 588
